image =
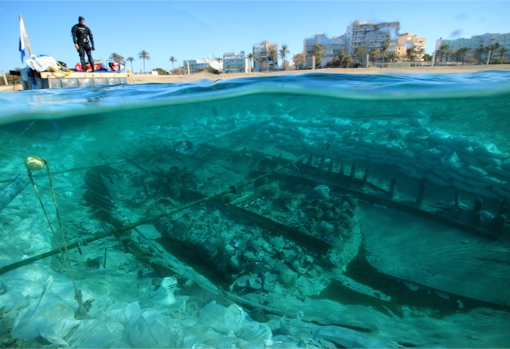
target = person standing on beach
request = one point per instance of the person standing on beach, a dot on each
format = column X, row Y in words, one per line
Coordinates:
column 81, row 34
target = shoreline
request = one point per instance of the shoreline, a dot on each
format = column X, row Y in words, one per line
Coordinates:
column 145, row 79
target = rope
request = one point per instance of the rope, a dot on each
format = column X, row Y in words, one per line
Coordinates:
column 66, row 258
column 21, row 134
column 171, row 151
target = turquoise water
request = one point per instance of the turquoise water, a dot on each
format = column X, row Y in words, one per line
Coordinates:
column 319, row 251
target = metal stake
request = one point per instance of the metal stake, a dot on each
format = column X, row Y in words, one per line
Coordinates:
column 352, row 175
column 392, row 188
column 421, row 191
column 477, row 210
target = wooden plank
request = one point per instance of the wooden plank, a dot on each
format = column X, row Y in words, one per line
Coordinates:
column 376, row 200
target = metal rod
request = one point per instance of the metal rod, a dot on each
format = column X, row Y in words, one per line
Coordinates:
column 392, row 188
column 352, row 175
column 309, row 163
column 323, row 160
column 505, row 206
column 499, row 225
column 365, row 178
column 421, row 192
column 330, row 168
column 457, row 209
column 341, row 173
column 477, row 210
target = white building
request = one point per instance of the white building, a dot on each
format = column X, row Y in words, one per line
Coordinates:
column 475, row 42
column 367, row 33
column 196, row 65
column 332, row 48
column 235, row 62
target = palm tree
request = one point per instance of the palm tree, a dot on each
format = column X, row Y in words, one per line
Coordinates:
column 250, row 57
column 420, row 51
column 384, row 47
column 464, row 51
column 145, row 56
column 272, row 54
column 489, row 49
column 360, row 52
column 392, row 56
column 130, row 60
column 347, row 60
column 374, row 53
column 283, row 53
column 173, row 60
column 341, row 57
column 261, row 61
column 457, row 54
column 427, row 57
column 479, row 52
column 444, row 50
column 411, row 54
column 116, row 57
column 318, row 51
column 502, row 51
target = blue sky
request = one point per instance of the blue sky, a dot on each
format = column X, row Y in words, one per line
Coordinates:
column 193, row 29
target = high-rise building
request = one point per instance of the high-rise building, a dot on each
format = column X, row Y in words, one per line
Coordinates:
column 263, row 52
column 407, row 41
column 367, row 33
column 332, row 48
column 474, row 42
column 235, row 62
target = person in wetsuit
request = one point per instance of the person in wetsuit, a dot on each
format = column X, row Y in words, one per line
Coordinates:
column 81, row 34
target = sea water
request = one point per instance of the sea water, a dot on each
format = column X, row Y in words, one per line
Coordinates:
column 313, row 210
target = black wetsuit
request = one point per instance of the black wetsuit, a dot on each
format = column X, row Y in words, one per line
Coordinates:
column 81, row 33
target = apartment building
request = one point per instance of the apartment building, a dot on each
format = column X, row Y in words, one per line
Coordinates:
column 235, row 62
column 408, row 40
column 475, row 42
column 367, row 33
column 195, row 65
column 332, row 47
column 264, row 51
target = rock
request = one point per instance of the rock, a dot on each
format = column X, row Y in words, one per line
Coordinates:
column 259, row 316
column 180, row 228
column 287, row 277
column 320, row 192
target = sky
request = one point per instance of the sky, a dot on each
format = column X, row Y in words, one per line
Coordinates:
column 195, row 30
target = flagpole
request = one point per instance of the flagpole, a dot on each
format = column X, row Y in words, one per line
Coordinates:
column 26, row 36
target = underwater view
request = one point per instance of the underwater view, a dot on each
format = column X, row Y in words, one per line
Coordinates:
column 290, row 211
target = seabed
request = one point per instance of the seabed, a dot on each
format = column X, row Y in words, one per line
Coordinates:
column 277, row 221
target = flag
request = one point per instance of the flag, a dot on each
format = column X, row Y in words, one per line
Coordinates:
column 21, row 40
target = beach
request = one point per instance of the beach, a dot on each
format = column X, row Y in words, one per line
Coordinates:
column 145, row 79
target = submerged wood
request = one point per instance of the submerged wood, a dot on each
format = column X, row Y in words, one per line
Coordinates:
column 373, row 199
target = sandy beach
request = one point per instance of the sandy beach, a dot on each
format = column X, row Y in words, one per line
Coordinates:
column 144, row 79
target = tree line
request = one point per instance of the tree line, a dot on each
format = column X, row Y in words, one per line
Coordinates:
column 444, row 52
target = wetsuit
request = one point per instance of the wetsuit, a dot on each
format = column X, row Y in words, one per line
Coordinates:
column 81, row 33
